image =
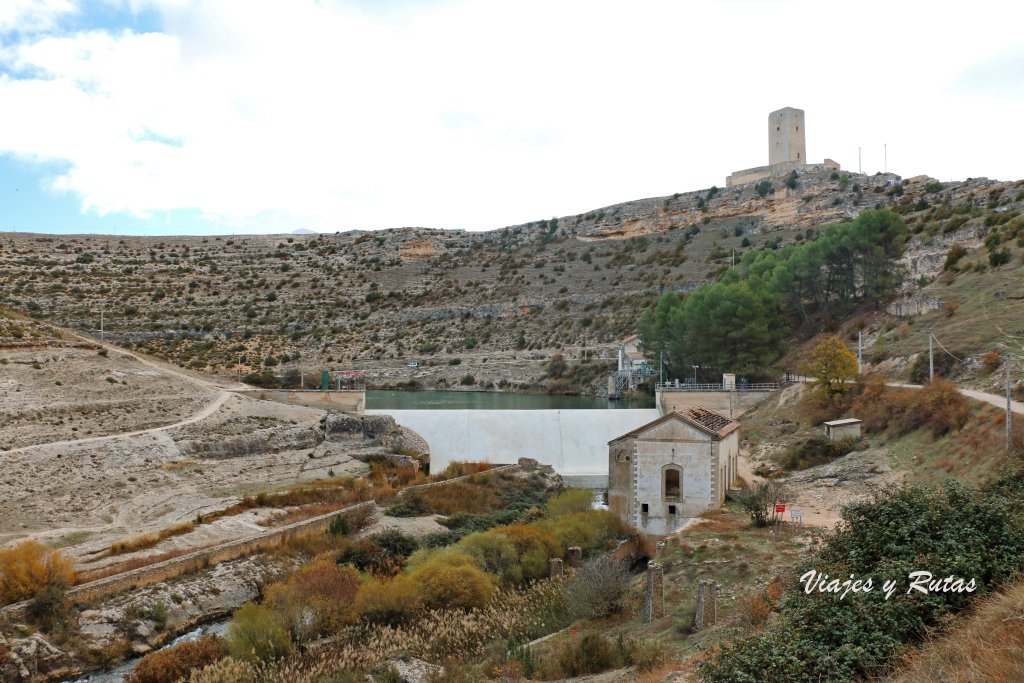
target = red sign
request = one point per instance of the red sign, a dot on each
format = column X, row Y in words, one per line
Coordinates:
column 780, row 507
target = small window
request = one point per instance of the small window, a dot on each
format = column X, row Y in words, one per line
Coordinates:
column 777, row 128
column 671, row 509
column 643, row 508
column 798, row 127
column 798, row 155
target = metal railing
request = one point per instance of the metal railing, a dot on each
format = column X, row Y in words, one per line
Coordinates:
column 757, row 386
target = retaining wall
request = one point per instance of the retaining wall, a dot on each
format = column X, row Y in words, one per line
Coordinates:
column 200, row 559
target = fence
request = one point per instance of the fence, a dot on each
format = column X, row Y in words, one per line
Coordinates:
column 757, row 386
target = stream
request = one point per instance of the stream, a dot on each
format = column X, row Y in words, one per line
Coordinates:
column 121, row 671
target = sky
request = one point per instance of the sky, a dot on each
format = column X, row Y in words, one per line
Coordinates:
column 253, row 116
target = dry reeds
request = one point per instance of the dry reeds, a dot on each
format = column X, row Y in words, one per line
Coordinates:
column 986, row 646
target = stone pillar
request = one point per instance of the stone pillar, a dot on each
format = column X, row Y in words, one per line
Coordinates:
column 654, row 599
column 555, row 568
column 573, row 555
column 707, row 605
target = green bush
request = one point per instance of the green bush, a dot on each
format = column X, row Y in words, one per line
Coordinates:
column 395, row 544
column 257, row 634
column 340, row 526
column 571, row 500
column 467, row 380
column 763, row 188
column 816, row 451
column 951, row 530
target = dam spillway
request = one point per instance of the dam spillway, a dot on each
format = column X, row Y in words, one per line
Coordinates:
column 574, row 442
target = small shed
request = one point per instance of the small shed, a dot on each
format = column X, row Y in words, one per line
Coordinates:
column 841, row 430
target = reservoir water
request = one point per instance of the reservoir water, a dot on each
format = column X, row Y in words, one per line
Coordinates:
column 489, row 400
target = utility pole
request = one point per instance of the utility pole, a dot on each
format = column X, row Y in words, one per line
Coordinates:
column 931, row 358
column 695, row 369
column 102, row 337
column 239, row 367
column 661, row 368
column 860, row 168
column 1009, row 411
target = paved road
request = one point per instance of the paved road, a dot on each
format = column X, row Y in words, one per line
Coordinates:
column 993, row 399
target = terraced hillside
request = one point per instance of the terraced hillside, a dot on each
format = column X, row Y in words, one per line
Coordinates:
column 473, row 309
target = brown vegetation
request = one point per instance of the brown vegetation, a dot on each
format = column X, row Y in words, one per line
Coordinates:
column 174, row 663
column 29, row 569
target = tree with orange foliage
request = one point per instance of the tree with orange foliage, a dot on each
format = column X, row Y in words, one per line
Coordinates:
column 29, row 569
column 832, row 364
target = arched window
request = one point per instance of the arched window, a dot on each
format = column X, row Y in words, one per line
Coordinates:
column 673, row 483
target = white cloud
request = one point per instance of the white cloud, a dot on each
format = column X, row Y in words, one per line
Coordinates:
column 480, row 114
column 29, row 16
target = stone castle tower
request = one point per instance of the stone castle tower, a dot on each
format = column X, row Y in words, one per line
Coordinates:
column 786, row 141
column 787, row 150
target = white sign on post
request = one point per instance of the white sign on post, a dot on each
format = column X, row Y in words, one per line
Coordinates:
column 797, row 514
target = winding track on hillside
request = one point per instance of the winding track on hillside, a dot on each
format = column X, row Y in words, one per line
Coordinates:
column 223, row 393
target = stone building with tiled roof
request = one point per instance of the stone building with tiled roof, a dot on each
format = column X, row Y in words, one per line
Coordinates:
column 672, row 469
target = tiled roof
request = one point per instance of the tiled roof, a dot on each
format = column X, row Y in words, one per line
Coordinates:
column 708, row 421
column 629, row 339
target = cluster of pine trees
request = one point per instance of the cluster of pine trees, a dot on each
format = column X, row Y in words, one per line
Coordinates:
column 740, row 323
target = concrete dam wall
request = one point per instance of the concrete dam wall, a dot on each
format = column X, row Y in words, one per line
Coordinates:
column 574, row 442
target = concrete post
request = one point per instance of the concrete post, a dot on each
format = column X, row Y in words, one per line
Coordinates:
column 555, row 568
column 573, row 555
column 654, row 599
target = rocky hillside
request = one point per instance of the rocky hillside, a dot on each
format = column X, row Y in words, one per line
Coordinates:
column 491, row 305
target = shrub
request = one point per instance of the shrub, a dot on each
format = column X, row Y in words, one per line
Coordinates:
column 571, row 500
column 396, row 545
column 366, row 556
column 257, row 633
column 944, row 363
column 340, row 526
column 467, row 380
column 956, row 252
column 598, row 588
column 952, row 530
column 317, row 599
column 591, row 530
column 29, row 569
column 173, row 663
column 494, row 553
column 451, row 581
column 387, row 602
column 763, row 188
column 815, row 451
column 759, row 501
column 991, row 360
column 534, row 547
column 591, row 654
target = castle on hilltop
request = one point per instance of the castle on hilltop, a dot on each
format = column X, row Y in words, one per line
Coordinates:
column 787, row 149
